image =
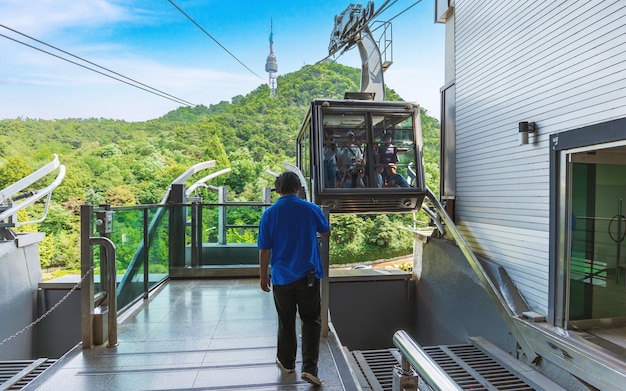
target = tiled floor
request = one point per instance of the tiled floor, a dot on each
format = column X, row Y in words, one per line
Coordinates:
column 195, row 334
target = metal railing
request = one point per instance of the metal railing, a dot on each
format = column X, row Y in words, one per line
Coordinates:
column 141, row 239
column 447, row 227
column 9, row 208
column 427, row 369
column 109, row 287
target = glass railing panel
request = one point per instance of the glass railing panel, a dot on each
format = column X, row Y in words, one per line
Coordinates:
column 128, row 236
column 226, row 235
column 242, row 223
column 128, row 233
column 132, row 227
column 210, row 216
column 158, row 249
column 214, row 235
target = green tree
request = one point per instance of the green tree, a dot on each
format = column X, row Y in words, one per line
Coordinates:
column 120, row 196
column 13, row 169
column 124, row 163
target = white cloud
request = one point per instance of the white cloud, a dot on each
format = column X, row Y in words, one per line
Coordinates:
column 42, row 16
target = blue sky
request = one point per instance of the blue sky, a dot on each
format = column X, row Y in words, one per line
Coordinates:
column 152, row 42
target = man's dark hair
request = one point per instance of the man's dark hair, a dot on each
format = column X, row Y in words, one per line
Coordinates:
column 287, row 183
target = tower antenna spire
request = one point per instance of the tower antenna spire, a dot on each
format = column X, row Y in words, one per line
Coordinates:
column 271, row 66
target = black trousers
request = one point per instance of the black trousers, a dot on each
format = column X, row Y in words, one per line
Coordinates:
column 306, row 300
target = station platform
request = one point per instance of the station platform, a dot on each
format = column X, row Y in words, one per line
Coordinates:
column 209, row 334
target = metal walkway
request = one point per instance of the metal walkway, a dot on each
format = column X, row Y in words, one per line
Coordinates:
column 195, row 334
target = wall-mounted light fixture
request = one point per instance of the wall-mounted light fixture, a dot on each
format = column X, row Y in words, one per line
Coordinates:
column 524, row 129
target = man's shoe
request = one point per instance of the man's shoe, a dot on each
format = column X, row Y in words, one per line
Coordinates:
column 311, row 378
column 281, row 366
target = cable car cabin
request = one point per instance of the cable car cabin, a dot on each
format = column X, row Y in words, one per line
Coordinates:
column 363, row 156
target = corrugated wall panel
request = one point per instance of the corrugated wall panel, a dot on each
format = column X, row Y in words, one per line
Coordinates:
column 561, row 64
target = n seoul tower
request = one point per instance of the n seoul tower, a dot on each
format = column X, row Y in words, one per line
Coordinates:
column 270, row 65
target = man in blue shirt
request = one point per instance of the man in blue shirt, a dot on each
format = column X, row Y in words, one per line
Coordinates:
column 288, row 242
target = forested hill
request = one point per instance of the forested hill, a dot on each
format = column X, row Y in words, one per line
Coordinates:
column 125, row 163
column 128, row 163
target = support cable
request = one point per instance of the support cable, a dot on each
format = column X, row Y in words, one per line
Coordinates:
column 94, row 64
column 215, row 40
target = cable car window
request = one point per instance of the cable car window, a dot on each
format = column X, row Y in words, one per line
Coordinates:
column 344, row 140
column 359, row 155
column 394, row 147
column 305, row 151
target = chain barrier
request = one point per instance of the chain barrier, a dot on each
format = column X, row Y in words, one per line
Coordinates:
column 54, row 307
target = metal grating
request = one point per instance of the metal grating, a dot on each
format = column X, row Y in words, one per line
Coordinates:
column 467, row 365
column 377, row 367
column 17, row 374
column 474, row 370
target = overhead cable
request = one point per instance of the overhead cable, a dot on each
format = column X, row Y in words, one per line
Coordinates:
column 152, row 91
column 215, row 40
column 129, row 81
column 401, row 12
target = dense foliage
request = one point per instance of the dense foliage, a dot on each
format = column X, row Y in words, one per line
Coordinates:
column 129, row 163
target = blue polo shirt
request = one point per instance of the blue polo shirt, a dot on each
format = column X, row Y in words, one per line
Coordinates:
column 289, row 228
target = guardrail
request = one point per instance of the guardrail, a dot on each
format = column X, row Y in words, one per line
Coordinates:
column 10, row 194
column 427, row 369
column 109, row 287
column 442, row 220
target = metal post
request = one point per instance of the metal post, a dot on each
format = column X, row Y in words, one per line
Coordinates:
column 110, row 286
column 194, row 235
column 325, row 254
column 177, row 222
column 146, row 254
column 619, row 238
column 200, row 235
column 221, row 225
column 267, row 195
column 87, row 285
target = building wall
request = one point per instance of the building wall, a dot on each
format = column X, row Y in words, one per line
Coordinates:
column 20, row 274
column 558, row 64
column 451, row 303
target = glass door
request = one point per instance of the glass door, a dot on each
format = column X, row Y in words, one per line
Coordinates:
column 596, row 260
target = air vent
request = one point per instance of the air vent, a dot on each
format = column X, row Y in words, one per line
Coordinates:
column 369, row 204
column 376, row 367
column 15, row 375
column 472, row 369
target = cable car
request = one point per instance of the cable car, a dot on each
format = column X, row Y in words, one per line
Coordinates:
column 362, row 156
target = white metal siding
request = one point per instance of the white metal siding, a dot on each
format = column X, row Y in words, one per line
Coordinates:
column 561, row 64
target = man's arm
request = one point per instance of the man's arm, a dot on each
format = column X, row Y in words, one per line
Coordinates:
column 264, row 262
column 402, row 180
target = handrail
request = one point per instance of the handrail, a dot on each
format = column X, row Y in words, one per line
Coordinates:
column 34, row 196
column 488, row 284
column 29, row 180
column 428, row 370
column 187, row 174
column 109, row 286
column 202, row 182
